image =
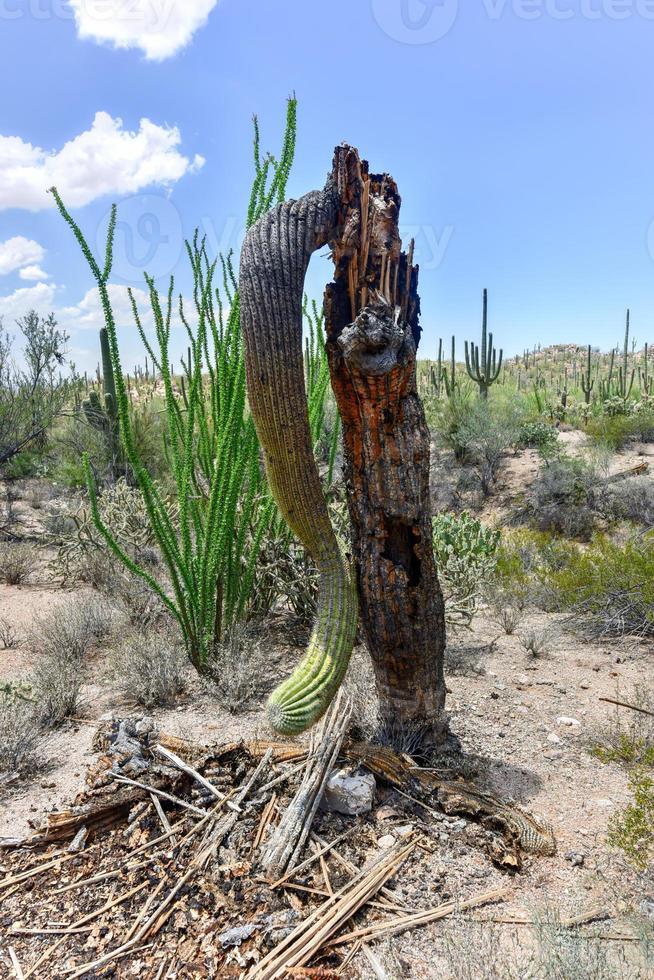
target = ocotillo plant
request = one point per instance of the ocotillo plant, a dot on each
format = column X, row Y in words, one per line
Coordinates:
column 221, row 507
column 587, row 382
column 482, row 363
column 625, row 382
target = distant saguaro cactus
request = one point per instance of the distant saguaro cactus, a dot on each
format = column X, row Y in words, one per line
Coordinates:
column 103, row 415
column 625, row 383
column 587, row 382
column 451, row 384
column 482, row 363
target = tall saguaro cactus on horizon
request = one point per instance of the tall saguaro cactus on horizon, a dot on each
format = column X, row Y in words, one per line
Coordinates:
column 103, row 415
column 371, row 316
column 482, row 363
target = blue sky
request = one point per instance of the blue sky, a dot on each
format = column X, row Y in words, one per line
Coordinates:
column 519, row 132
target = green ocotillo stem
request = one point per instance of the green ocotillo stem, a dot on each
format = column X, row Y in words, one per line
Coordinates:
column 274, row 261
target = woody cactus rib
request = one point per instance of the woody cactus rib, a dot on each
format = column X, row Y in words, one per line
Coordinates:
column 274, row 261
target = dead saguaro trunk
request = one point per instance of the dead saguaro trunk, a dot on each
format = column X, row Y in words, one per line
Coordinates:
column 372, row 311
column 372, row 323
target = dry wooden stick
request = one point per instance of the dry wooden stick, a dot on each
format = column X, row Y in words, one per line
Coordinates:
column 47, row 953
column 263, row 823
column 19, row 931
column 158, row 792
column 16, row 965
column 324, row 848
column 163, row 819
column 115, row 955
column 46, row 866
column 144, row 911
column 194, row 774
column 390, row 899
column 298, row 948
column 289, row 838
column 103, row 876
column 392, row 927
column 632, row 707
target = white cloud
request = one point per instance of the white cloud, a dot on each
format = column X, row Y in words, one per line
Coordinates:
column 88, row 315
column 32, row 273
column 105, row 159
column 19, row 253
column 159, row 28
column 18, row 303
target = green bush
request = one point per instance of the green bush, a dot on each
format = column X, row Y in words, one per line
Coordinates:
column 465, row 552
column 538, row 435
column 610, row 584
column 561, row 498
column 632, row 830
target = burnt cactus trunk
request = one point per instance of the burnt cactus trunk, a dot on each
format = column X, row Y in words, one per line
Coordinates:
column 372, row 311
column 372, row 322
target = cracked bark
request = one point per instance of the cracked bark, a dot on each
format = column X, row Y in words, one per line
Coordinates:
column 372, row 322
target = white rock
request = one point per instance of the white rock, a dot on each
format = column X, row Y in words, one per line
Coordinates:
column 553, row 738
column 385, row 842
column 349, row 793
column 569, row 722
column 404, row 831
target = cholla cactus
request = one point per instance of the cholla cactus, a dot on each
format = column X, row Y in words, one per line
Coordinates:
column 482, row 363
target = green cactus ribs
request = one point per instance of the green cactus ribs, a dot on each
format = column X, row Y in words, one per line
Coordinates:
column 274, row 261
column 482, row 363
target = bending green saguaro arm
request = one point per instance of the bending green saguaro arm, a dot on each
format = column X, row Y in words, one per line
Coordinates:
column 274, row 261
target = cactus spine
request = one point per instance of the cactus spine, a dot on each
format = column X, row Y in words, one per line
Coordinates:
column 482, row 363
column 587, row 383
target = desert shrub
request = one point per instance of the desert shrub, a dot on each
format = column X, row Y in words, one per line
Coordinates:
column 8, row 638
column 561, row 499
column 609, row 585
column 622, row 422
column 61, row 641
column 17, row 563
column 632, row 830
column 629, row 500
column 538, row 435
column 486, row 433
column 448, row 419
column 19, row 736
column 508, row 613
column 465, row 553
column 536, row 642
column 149, row 668
column 239, row 670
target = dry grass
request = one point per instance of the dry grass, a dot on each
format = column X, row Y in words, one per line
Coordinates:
column 150, row 669
column 19, row 736
column 8, row 637
column 240, row 670
column 17, row 563
column 61, row 641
